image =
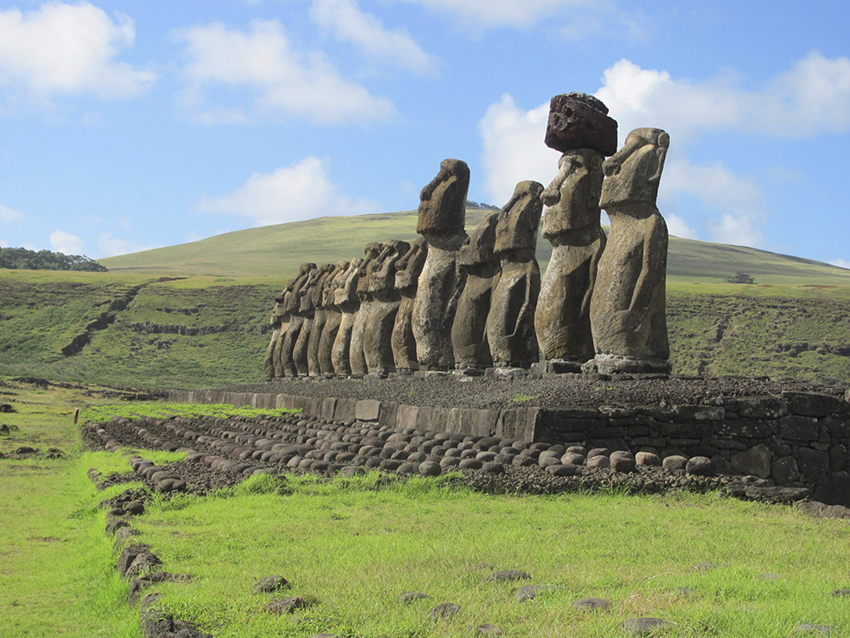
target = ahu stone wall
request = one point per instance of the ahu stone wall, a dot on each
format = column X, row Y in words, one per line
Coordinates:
column 797, row 439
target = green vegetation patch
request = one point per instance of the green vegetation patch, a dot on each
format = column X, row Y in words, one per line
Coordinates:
column 163, row 410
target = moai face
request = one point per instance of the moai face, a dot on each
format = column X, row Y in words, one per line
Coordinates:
column 383, row 267
column 409, row 267
column 332, row 282
column 479, row 247
column 633, row 173
column 345, row 293
column 373, row 249
column 518, row 220
column 319, row 287
column 306, row 293
column 442, row 206
column 292, row 299
column 573, row 196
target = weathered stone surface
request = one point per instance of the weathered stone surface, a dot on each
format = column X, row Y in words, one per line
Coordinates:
column 648, row 458
column 700, row 466
column 813, row 404
column 784, row 470
column 755, row 461
column 442, row 211
column 762, row 407
column 380, row 322
column 269, row 584
column 408, row 269
column 510, row 323
column 799, row 428
column 444, row 610
column 482, row 269
column 628, row 307
column 578, row 120
column 643, row 626
column 319, row 317
column 356, row 354
column 346, row 299
column 813, row 464
column 319, row 359
column 592, row 604
column 674, row 462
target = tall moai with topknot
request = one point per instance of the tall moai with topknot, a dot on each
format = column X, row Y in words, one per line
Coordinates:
column 442, row 215
column 578, row 127
column 628, row 308
column 510, row 322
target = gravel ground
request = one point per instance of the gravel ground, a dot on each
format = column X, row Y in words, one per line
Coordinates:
column 565, row 391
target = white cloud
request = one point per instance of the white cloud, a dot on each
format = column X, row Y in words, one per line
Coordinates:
column 349, row 24
column 4, row 243
column 841, row 263
column 679, row 227
column 284, row 82
column 109, row 245
column 64, row 49
column 8, row 215
column 297, row 192
column 65, row 242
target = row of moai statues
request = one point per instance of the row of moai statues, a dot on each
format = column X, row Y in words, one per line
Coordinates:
column 452, row 301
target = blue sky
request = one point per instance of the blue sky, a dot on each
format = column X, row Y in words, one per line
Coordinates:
column 130, row 125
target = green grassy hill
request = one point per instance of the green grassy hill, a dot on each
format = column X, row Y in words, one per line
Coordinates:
column 196, row 315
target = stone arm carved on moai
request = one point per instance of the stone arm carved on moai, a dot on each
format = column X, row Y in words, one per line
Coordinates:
column 408, row 269
column 333, row 317
column 292, row 304
column 482, row 267
column 442, row 215
column 356, row 356
column 278, row 322
column 319, row 317
column 377, row 340
column 307, row 310
column 510, row 323
column 346, row 299
column 578, row 127
column 628, row 308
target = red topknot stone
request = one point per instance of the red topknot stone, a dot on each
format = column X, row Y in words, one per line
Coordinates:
column 578, row 120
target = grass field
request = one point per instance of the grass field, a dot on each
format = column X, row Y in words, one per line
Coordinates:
column 353, row 546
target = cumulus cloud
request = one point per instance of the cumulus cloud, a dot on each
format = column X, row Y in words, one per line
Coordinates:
column 65, row 242
column 283, row 81
column 297, row 192
column 349, row 23
column 67, row 49
column 109, row 245
column 8, row 215
column 678, row 227
column 841, row 263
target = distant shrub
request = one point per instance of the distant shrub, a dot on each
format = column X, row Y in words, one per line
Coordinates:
column 740, row 278
column 23, row 259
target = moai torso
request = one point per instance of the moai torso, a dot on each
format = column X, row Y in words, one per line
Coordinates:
column 292, row 303
column 345, row 298
column 319, row 317
column 333, row 316
column 442, row 212
column 306, row 310
column 377, row 340
column 356, row 356
column 510, row 323
column 628, row 309
column 482, row 267
column 408, row 269
column 571, row 225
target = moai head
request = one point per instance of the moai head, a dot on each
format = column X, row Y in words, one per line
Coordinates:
column 372, row 250
column 332, row 282
column 319, row 286
column 516, row 229
column 346, row 290
column 573, row 196
column 442, row 206
column 633, row 173
column 409, row 267
column 306, row 292
column 382, row 268
column 292, row 299
column 479, row 247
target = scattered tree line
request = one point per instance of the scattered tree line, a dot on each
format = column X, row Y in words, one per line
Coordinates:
column 23, row 259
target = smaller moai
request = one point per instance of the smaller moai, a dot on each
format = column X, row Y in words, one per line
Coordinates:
column 408, row 269
column 482, row 268
column 442, row 215
column 292, row 303
column 510, row 323
column 319, row 317
column 628, row 307
column 279, row 321
column 377, row 339
column 346, row 299
column 356, row 355
column 306, row 311
column 579, row 127
column 333, row 317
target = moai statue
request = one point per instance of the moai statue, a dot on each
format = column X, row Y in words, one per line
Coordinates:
column 356, row 357
column 442, row 214
column 279, row 321
column 579, row 127
column 408, row 269
column 469, row 330
column 510, row 323
column 628, row 311
column 319, row 317
column 346, row 299
column 377, row 339
column 333, row 316
column 307, row 311
column 292, row 302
